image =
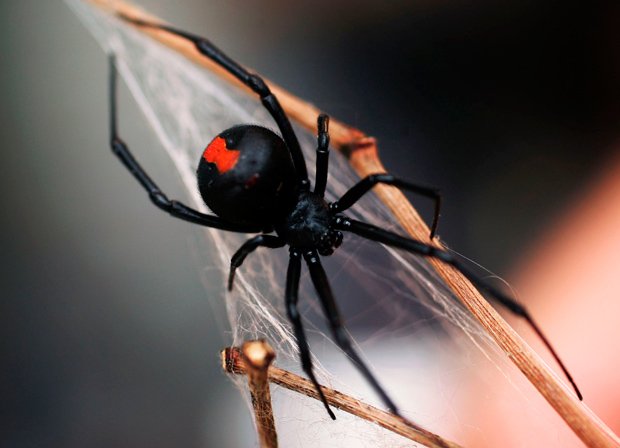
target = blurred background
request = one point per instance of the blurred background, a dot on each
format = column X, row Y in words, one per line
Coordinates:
column 511, row 109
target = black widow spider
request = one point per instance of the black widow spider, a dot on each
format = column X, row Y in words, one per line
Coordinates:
column 256, row 182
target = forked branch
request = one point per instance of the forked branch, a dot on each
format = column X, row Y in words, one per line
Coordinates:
column 234, row 361
column 255, row 358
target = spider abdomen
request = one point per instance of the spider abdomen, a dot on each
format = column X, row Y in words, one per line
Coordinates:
column 246, row 176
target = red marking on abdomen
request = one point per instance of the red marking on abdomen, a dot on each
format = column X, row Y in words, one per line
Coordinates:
column 225, row 159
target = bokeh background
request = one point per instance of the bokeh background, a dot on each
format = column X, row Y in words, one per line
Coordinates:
column 511, row 109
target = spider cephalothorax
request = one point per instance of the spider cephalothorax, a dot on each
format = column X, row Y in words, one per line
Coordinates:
column 256, row 181
column 309, row 225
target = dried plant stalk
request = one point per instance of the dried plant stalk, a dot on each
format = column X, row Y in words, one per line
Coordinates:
column 233, row 361
column 257, row 357
column 363, row 156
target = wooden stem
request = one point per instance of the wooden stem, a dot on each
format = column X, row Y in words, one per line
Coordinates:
column 233, row 362
column 255, row 358
column 362, row 153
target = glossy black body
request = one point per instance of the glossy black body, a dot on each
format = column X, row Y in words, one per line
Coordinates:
column 268, row 189
column 262, row 185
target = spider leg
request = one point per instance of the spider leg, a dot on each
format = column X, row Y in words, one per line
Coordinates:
column 292, row 297
column 366, row 184
column 248, row 247
column 322, row 155
column 331, row 312
column 251, row 80
column 175, row 208
column 391, row 239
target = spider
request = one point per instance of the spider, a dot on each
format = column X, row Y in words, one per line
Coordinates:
column 256, row 181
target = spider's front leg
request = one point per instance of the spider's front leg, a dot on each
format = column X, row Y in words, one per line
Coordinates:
column 273, row 242
column 292, row 311
column 330, row 309
column 322, row 155
column 355, row 193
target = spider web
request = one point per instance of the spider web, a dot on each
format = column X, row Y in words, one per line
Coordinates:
column 417, row 339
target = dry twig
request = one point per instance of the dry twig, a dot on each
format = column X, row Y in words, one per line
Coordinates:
column 233, row 361
column 256, row 357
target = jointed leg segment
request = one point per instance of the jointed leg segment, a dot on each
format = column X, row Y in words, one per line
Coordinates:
column 248, row 247
column 366, row 184
column 292, row 297
column 331, row 312
column 391, row 239
column 322, row 155
column 175, row 208
column 251, row 80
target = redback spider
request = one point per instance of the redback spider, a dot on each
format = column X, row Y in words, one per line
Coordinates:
column 256, row 181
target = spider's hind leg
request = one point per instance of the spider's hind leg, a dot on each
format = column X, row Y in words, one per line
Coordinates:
column 330, row 309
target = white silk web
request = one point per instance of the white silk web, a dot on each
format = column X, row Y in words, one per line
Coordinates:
column 418, row 340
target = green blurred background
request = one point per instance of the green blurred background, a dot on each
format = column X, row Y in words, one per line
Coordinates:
column 109, row 340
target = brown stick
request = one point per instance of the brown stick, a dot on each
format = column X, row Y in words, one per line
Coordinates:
column 255, row 357
column 233, row 362
column 363, row 156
